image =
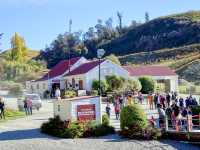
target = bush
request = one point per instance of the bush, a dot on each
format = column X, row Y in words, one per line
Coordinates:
column 69, row 94
column 115, row 83
column 94, row 92
column 59, row 128
column 132, row 115
column 105, row 120
column 148, row 84
column 104, row 85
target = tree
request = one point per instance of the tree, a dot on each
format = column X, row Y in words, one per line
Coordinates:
column 114, row 59
column 119, row 16
column 18, row 48
column 104, row 85
column 147, row 17
column 133, row 85
column 115, row 83
column 148, row 84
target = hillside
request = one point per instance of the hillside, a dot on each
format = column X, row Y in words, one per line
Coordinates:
column 30, row 55
column 164, row 32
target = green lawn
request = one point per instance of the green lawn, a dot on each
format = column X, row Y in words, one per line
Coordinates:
column 12, row 114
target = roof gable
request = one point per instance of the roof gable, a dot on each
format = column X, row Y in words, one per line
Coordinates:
column 150, row 71
column 84, row 68
column 59, row 69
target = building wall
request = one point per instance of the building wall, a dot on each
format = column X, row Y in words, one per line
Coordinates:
column 37, row 87
column 107, row 68
column 173, row 81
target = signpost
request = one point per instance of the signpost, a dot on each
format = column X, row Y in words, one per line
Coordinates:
column 86, row 112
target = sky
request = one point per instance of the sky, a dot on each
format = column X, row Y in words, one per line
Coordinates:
column 40, row 21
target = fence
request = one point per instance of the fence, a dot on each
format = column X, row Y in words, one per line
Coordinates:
column 184, row 124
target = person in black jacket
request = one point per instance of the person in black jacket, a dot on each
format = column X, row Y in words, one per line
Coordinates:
column 2, row 109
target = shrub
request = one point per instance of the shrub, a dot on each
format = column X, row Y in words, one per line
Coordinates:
column 115, row 83
column 59, row 128
column 102, row 130
column 94, row 92
column 105, row 120
column 104, row 85
column 69, row 94
column 148, row 84
column 132, row 115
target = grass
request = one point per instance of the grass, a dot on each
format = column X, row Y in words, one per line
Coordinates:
column 12, row 115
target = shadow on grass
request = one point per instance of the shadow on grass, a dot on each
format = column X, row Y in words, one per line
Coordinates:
column 23, row 134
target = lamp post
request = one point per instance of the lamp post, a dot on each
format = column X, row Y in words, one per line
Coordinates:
column 100, row 53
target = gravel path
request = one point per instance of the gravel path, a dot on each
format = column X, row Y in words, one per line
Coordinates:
column 23, row 134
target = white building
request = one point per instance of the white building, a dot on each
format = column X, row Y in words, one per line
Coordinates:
column 79, row 73
column 83, row 76
column 161, row 74
column 53, row 78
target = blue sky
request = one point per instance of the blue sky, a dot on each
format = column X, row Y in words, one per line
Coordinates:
column 40, row 21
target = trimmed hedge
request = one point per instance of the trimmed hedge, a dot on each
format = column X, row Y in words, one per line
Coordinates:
column 132, row 115
column 148, row 84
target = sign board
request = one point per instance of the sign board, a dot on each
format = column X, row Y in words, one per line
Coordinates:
column 82, row 93
column 86, row 112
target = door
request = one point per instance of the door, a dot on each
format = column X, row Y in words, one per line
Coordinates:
column 80, row 84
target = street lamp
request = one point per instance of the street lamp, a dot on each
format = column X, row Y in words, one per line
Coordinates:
column 100, row 53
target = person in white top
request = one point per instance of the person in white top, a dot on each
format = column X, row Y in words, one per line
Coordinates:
column 57, row 93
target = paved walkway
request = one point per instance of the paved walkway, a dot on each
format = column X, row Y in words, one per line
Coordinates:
column 24, row 134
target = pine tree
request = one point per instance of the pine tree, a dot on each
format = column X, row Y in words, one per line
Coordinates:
column 147, row 17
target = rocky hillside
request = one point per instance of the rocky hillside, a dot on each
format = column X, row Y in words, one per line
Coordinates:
column 164, row 32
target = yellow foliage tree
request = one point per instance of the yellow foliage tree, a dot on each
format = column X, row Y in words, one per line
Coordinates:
column 18, row 48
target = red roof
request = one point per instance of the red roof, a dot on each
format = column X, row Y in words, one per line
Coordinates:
column 59, row 69
column 84, row 68
column 149, row 71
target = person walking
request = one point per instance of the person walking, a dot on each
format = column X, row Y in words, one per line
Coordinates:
column 26, row 106
column 155, row 100
column 150, row 101
column 30, row 106
column 108, row 109
column 117, row 110
column 2, row 109
column 162, row 116
column 168, row 99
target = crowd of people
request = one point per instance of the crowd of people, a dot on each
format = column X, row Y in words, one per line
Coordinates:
column 176, row 108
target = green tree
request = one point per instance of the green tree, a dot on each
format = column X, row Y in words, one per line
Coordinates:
column 104, row 85
column 115, row 83
column 148, row 84
column 114, row 59
column 18, row 48
column 133, row 85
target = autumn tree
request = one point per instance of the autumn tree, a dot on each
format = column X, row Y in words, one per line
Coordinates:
column 18, row 48
column 114, row 59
